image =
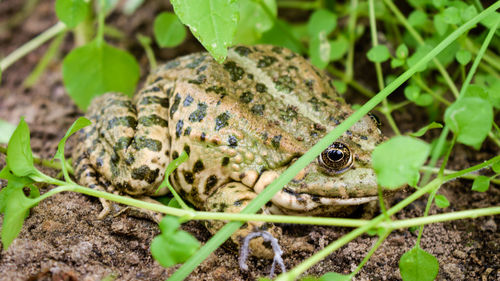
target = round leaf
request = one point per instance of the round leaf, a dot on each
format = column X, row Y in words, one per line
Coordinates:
column 338, row 48
column 417, row 18
column 418, row 265
column 19, row 155
column 402, row 51
column 71, row 12
column 463, row 57
column 440, row 24
column 442, row 201
column 319, row 50
column 253, row 21
column 398, row 160
column 168, row 30
column 470, row 118
column 412, row 92
column 379, row 53
column 451, row 15
column 321, row 21
column 94, row 69
column 496, row 167
column 481, row 184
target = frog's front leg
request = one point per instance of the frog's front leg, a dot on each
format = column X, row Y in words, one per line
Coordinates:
column 234, row 197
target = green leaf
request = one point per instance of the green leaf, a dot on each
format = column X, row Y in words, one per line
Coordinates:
column 254, row 21
column 402, row 51
column 334, row 276
column 442, row 201
column 168, row 30
column 277, row 36
column 421, row 51
column 173, row 246
column 470, row 118
column 451, row 15
column 379, row 53
column 340, row 86
column 319, row 50
column 6, row 130
column 490, row 20
column 478, row 91
column 96, row 68
column 496, row 167
column 338, row 48
column 440, row 24
column 412, row 92
column 418, row 265
column 424, row 100
column 397, row 63
column 14, row 205
column 72, row 12
column 463, row 57
column 417, row 18
column 19, row 155
column 321, row 21
column 468, row 13
column 481, row 184
column 424, row 129
column 212, row 22
column 398, row 160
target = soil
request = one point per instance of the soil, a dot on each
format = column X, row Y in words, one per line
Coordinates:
column 62, row 239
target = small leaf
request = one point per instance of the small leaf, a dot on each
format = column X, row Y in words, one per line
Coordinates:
column 412, row 92
column 417, row 18
column 440, row 25
column 254, row 21
column 418, row 265
column 277, row 36
column 442, row 201
column 6, row 130
column 80, row 123
column 168, row 30
column 397, row 63
column 468, row 13
column 470, row 118
column 424, row 130
column 463, row 57
column 379, row 53
column 421, row 51
column 402, row 51
column 451, row 15
column 19, row 155
column 481, row 184
column 212, row 22
column 72, row 12
column 424, row 100
column 496, row 167
column 398, row 160
column 340, row 86
column 96, row 68
column 173, row 246
column 490, row 20
column 338, row 48
column 319, row 50
column 321, row 21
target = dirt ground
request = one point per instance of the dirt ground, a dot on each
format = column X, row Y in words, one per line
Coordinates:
column 62, row 239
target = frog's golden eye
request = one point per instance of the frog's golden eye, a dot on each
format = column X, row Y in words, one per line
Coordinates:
column 336, row 158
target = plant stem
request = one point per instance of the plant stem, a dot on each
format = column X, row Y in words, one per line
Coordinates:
column 31, row 45
column 351, row 31
column 101, row 15
column 303, row 5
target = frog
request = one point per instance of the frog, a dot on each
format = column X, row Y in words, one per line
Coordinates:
column 242, row 123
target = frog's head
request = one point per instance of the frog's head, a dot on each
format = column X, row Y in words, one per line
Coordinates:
column 341, row 175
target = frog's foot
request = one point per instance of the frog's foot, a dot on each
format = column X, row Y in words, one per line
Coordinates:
column 233, row 197
column 139, row 212
column 277, row 259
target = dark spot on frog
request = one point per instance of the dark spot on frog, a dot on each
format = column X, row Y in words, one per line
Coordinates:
column 211, row 182
column 266, row 61
column 364, row 137
column 242, row 175
column 187, row 149
column 216, row 89
column 250, row 76
column 196, row 62
column 188, row 177
column 127, row 121
column 200, row 79
column 158, row 79
column 326, row 96
column 333, row 119
column 171, row 64
column 276, row 141
column 242, row 51
column 143, row 142
column 375, row 119
column 258, row 109
column 313, row 134
column 175, row 154
column 319, row 127
column 199, row 113
column 170, row 91
column 198, row 166
column 292, row 67
column 289, row 114
column 310, row 84
column 225, row 161
column 269, row 204
column 238, row 203
column 201, row 69
column 122, row 143
column 178, row 128
column 232, row 140
column 277, row 49
column 317, row 104
column 349, row 133
column 264, row 136
column 167, row 153
column 222, row 207
column 187, row 131
column 221, row 121
column 130, row 159
column 144, row 173
column 261, row 88
column 175, row 105
column 235, row 71
column 203, row 136
column 188, row 100
column 124, row 103
column 246, row 97
column 153, row 119
column 176, row 177
column 285, row 84
column 163, row 102
column 291, row 56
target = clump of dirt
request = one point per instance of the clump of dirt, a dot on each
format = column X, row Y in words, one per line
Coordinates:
column 62, row 239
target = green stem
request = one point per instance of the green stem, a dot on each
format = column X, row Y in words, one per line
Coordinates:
column 402, row 19
column 31, row 45
column 44, row 162
column 448, row 172
column 351, row 31
column 302, row 5
column 101, row 15
column 426, row 88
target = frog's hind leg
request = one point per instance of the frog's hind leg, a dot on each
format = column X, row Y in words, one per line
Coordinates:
column 234, row 197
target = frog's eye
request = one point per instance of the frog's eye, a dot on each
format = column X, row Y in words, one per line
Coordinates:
column 336, row 158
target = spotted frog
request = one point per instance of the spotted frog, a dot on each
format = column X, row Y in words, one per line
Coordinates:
column 242, row 123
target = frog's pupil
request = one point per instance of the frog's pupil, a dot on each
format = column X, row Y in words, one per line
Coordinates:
column 335, row 155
